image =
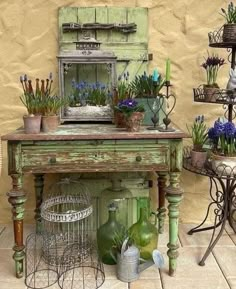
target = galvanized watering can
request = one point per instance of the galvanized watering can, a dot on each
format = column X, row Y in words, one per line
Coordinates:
column 128, row 267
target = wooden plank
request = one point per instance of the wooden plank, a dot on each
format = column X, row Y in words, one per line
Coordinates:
column 86, row 15
column 138, row 15
column 66, row 14
column 102, row 17
column 117, row 15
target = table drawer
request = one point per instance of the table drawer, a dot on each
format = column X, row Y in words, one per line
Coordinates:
column 102, row 157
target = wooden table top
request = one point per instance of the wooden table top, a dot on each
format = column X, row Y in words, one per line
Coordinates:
column 93, row 131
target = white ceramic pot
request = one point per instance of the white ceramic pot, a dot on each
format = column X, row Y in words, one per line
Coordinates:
column 223, row 165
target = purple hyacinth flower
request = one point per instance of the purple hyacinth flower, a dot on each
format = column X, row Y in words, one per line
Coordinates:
column 229, row 129
column 219, row 128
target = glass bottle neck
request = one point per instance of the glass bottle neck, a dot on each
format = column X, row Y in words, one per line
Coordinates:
column 112, row 216
column 143, row 214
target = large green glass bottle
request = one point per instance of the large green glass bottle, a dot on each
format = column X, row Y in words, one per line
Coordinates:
column 144, row 235
column 106, row 235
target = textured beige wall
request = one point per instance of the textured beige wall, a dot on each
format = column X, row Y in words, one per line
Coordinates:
column 177, row 29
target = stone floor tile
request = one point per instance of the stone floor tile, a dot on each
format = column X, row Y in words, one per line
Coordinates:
column 231, row 232
column 201, row 239
column 232, row 283
column 226, row 259
column 1, row 229
column 7, row 237
column 150, row 273
column 114, row 284
column 143, row 284
column 190, row 275
column 110, row 271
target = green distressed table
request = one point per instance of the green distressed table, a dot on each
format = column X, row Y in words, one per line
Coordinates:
column 95, row 148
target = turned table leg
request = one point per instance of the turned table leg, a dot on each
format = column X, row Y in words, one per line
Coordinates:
column 38, row 185
column 174, row 196
column 162, row 177
column 17, row 198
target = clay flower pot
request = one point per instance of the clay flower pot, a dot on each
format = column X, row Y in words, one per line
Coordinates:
column 198, row 158
column 134, row 121
column 210, row 92
column 119, row 119
column 32, row 123
column 50, row 123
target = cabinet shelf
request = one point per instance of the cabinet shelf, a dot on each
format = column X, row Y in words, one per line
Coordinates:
column 216, row 40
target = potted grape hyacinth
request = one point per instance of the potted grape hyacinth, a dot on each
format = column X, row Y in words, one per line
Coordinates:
column 212, row 65
column 229, row 28
column 222, row 137
column 133, row 113
column 198, row 132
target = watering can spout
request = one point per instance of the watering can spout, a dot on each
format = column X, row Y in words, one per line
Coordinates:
column 145, row 265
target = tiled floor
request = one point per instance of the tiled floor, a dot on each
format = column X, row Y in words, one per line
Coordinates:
column 218, row 273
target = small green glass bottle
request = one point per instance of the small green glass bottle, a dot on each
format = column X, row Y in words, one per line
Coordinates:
column 106, row 235
column 144, row 235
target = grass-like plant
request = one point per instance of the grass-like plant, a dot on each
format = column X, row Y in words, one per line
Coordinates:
column 144, row 86
column 199, row 133
column 229, row 14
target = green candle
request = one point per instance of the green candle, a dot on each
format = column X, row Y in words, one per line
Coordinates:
column 168, row 69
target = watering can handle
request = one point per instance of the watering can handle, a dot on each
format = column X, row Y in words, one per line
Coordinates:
column 123, row 248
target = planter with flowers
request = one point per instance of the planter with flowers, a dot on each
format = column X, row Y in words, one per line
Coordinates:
column 198, row 132
column 223, row 140
column 212, row 65
column 146, row 88
column 133, row 113
column 229, row 28
column 33, row 104
column 90, row 101
column 122, row 92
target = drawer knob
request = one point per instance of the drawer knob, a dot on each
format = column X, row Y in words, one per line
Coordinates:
column 52, row 160
column 138, row 158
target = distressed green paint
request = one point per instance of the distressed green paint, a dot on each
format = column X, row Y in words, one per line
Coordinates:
column 176, row 156
column 19, row 257
column 38, row 187
column 174, row 197
column 131, row 49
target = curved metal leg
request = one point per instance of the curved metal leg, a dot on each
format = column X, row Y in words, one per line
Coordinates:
column 217, row 198
column 221, row 212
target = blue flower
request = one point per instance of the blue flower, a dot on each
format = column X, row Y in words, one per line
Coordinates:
column 219, row 128
column 229, row 129
column 212, row 134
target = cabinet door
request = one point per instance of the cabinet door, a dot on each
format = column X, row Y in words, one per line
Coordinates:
column 131, row 49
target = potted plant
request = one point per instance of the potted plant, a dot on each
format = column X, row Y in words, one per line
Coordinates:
column 133, row 112
column 223, row 140
column 90, row 101
column 32, row 101
column 212, row 65
column 198, row 132
column 229, row 30
column 122, row 92
column 145, row 88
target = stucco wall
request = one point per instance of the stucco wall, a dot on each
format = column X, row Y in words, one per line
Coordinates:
column 177, row 29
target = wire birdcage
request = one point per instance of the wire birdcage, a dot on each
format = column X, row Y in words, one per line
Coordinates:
column 38, row 273
column 65, row 215
column 64, row 252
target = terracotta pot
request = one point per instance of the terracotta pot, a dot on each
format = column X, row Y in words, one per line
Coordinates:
column 229, row 33
column 50, row 123
column 210, row 93
column 120, row 120
column 198, row 158
column 32, row 123
column 134, row 121
column 223, row 165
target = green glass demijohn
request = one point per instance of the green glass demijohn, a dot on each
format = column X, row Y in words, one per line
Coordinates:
column 106, row 234
column 144, row 235
column 120, row 196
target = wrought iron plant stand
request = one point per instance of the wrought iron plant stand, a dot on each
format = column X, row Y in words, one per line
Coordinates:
column 223, row 199
column 222, row 182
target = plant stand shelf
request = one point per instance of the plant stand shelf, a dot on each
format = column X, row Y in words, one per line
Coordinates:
column 222, row 192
